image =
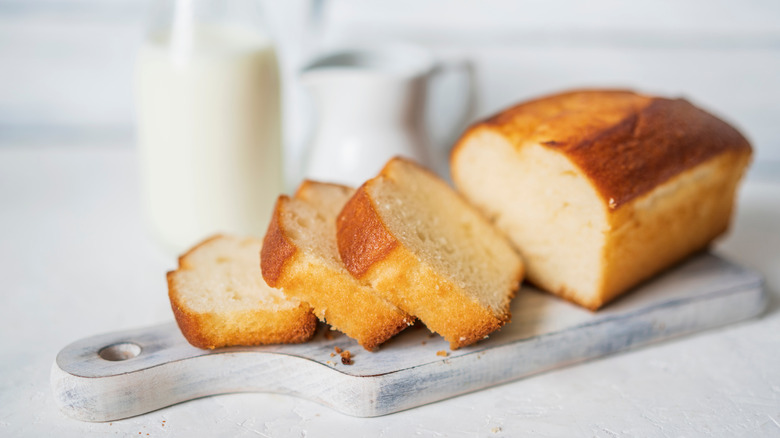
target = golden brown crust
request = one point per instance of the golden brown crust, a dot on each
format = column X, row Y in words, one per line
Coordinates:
column 696, row 208
column 277, row 248
column 363, row 238
column 372, row 340
column 207, row 330
column 187, row 321
column 625, row 143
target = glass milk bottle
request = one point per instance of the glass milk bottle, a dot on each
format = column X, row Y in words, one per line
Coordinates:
column 208, row 115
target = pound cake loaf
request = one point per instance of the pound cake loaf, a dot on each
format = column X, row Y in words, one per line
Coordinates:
column 601, row 189
column 219, row 298
column 300, row 256
column 426, row 250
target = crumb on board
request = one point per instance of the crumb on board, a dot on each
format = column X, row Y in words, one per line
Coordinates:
column 496, row 429
column 346, row 357
column 423, row 342
column 337, row 350
column 442, row 353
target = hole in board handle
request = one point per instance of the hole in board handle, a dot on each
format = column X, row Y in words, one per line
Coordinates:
column 120, row 351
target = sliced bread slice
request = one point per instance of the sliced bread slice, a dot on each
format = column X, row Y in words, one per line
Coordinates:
column 219, row 298
column 429, row 252
column 301, row 257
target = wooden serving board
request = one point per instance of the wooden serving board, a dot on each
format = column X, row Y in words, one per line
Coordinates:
column 119, row 375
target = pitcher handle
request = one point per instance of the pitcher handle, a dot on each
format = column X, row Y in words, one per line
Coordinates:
column 458, row 121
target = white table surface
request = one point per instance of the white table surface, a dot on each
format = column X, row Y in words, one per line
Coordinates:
column 75, row 261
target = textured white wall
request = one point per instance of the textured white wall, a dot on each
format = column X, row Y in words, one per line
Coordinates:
column 66, row 66
column 723, row 55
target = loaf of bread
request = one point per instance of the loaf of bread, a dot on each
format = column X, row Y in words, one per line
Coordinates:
column 422, row 247
column 300, row 256
column 219, row 298
column 599, row 190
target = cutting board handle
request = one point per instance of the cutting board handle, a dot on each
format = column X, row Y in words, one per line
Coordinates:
column 123, row 374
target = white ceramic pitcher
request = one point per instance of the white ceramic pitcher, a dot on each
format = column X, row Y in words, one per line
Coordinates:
column 370, row 106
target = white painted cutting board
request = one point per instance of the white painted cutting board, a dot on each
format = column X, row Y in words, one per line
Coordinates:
column 160, row 368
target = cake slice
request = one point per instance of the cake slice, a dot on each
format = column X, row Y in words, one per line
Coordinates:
column 601, row 189
column 426, row 250
column 300, row 256
column 219, row 298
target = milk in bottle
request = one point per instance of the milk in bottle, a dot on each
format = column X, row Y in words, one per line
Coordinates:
column 209, row 128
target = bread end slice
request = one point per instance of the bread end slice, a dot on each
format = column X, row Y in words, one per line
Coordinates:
column 219, row 298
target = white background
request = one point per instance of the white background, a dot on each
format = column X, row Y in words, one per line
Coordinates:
column 66, row 67
column 75, row 260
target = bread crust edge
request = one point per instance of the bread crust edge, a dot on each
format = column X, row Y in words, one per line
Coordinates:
column 277, row 250
column 652, row 115
column 362, row 236
column 202, row 329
